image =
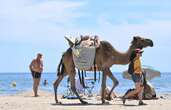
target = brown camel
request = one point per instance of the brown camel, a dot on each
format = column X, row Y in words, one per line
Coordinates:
column 105, row 57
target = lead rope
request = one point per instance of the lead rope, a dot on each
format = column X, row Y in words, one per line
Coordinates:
column 79, row 74
column 82, row 73
column 95, row 61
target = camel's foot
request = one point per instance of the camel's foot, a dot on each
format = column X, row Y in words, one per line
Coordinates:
column 58, row 102
column 84, row 102
column 104, row 102
column 108, row 98
column 123, row 100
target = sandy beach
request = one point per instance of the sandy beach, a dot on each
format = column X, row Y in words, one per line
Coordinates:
column 26, row 101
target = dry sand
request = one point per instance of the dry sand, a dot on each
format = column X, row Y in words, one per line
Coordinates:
column 26, row 101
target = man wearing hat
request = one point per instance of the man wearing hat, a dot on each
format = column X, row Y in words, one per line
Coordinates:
column 137, row 76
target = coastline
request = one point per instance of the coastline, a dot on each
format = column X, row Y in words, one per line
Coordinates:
column 45, row 101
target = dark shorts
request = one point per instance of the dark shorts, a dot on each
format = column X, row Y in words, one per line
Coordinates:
column 36, row 74
column 137, row 78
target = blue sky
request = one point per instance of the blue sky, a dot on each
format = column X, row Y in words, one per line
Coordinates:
column 31, row 26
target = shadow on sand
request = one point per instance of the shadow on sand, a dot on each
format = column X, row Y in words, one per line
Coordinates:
column 78, row 104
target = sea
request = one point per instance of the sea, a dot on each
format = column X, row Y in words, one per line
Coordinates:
column 13, row 83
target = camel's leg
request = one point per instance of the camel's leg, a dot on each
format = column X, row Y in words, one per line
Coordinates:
column 56, row 84
column 115, row 82
column 72, row 80
column 103, row 86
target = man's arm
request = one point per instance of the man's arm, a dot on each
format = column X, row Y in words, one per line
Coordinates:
column 41, row 67
column 30, row 66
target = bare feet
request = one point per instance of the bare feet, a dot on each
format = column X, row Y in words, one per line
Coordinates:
column 142, row 103
column 84, row 102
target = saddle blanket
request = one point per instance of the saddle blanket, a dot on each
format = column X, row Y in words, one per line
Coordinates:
column 83, row 57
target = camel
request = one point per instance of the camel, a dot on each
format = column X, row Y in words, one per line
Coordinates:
column 106, row 56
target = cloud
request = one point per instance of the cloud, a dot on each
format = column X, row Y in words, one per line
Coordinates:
column 45, row 22
column 159, row 30
column 29, row 21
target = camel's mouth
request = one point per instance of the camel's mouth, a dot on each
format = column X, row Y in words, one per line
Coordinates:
column 151, row 43
column 148, row 42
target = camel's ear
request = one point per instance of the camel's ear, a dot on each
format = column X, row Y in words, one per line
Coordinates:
column 135, row 38
column 69, row 41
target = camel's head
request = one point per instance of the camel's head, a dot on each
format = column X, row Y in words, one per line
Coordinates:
column 139, row 42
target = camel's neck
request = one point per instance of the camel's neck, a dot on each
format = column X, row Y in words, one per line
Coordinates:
column 122, row 58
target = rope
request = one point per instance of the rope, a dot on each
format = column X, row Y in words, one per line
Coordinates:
column 94, row 63
column 83, row 84
column 79, row 74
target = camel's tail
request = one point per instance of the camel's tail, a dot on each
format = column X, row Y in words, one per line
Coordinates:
column 61, row 67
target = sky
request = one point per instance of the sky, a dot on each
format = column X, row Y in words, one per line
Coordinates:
column 31, row 26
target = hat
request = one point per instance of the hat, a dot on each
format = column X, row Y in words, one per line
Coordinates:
column 139, row 50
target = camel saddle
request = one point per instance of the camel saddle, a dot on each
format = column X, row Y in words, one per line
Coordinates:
column 84, row 52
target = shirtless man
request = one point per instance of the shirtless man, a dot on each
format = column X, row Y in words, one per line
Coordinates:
column 36, row 68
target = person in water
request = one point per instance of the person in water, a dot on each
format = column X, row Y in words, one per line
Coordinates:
column 45, row 82
column 36, row 68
